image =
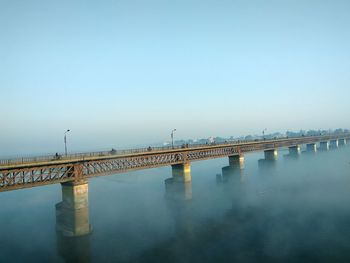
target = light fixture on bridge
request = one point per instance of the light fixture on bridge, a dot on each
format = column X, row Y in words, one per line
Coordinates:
column 65, row 141
column 172, row 138
column 263, row 132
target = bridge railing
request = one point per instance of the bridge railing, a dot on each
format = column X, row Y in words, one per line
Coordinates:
column 82, row 156
column 112, row 152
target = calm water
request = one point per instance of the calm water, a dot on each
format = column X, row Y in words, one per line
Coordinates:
column 297, row 210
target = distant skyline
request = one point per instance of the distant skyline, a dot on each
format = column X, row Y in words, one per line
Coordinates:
column 124, row 73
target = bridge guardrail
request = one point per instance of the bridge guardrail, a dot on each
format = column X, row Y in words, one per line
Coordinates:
column 53, row 157
column 81, row 156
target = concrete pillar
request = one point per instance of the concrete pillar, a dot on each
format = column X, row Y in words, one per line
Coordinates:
column 182, row 172
column 324, row 146
column 311, row 147
column 294, row 150
column 342, row 142
column 236, row 161
column 72, row 214
column 333, row 144
column 271, row 155
column 177, row 190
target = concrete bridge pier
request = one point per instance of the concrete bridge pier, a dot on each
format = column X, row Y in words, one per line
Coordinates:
column 324, row 146
column 271, row 155
column 72, row 214
column 311, row 147
column 236, row 161
column 269, row 160
column 179, row 186
column 342, row 142
column 182, row 172
column 294, row 151
column 334, row 144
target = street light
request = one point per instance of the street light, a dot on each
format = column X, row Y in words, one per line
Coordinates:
column 65, row 142
column 263, row 132
column 172, row 138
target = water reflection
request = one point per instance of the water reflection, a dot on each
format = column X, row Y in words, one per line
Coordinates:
column 265, row 164
column 197, row 240
column 74, row 249
column 178, row 190
column 178, row 196
column 232, row 174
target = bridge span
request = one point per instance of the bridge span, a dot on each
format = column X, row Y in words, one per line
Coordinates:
column 24, row 173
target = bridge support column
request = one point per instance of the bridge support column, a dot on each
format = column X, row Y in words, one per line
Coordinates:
column 271, row 155
column 334, row 144
column 294, row 150
column 182, row 172
column 342, row 142
column 72, row 214
column 311, row 147
column 324, row 146
column 236, row 161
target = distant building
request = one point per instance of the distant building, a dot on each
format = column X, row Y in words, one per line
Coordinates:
column 211, row 140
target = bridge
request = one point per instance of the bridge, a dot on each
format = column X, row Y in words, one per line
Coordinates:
column 30, row 172
column 73, row 171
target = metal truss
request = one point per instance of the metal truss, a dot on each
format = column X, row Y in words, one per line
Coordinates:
column 118, row 165
column 12, row 179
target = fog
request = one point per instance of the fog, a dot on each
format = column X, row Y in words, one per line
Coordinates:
column 291, row 210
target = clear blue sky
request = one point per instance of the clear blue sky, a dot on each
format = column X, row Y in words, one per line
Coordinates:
column 122, row 73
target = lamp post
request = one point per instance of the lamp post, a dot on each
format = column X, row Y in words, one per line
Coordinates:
column 263, row 132
column 65, row 142
column 172, row 138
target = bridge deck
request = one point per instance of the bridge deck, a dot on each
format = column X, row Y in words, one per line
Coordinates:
column 21, row 173
column 73, row 158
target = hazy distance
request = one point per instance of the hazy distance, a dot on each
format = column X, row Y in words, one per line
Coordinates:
column 126, row 73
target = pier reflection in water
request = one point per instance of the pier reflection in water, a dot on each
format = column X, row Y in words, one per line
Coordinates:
column 74, row 249
column 178, row 195
column 194, row 240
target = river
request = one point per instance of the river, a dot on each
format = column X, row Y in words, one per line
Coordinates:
column 295, row 209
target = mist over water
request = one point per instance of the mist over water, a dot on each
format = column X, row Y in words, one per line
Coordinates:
column 293, row 210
